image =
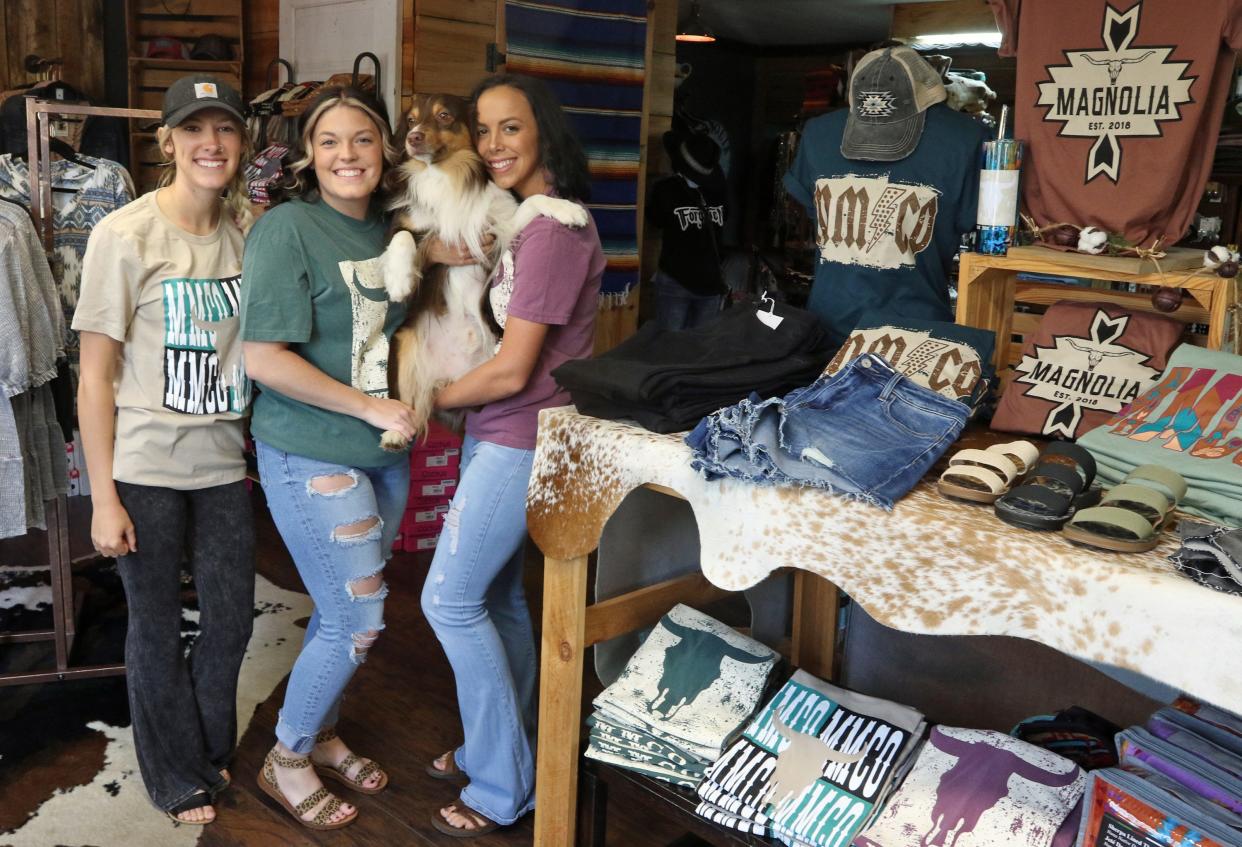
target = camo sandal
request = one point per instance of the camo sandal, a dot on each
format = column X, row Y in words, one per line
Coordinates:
column 1059, row 485
column 981, row 476
column 1131, row 516
column 450, row 771
column 323, row 818
column 340, row 771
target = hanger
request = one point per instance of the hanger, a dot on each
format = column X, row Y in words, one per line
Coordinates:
column 769, row 318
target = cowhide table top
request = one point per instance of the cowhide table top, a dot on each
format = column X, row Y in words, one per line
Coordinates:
column 931, row 566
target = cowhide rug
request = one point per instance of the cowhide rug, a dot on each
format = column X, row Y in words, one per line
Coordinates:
column 88, row 720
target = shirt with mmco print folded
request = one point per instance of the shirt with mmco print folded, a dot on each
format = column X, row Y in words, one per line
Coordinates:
column 1120, row 106
column 172, row 298
column 887, row 231
column 312, row 280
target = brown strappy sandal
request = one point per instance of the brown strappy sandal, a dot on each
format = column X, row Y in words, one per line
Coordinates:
column 483, row 824
column 450, row 772
column 321, row 821
column 340, row 771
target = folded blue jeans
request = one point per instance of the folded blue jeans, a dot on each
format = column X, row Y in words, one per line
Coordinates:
column 867, row 433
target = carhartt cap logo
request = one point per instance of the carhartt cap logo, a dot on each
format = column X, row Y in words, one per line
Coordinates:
column 876, row 104
column 205, row 89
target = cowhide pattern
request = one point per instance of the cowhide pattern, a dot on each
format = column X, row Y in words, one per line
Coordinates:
column 931, row 566
column 109, row 806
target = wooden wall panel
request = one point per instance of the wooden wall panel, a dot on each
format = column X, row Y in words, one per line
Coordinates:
column 69, row 29
column 262, row 43
column 450, row 56
column 911, row 19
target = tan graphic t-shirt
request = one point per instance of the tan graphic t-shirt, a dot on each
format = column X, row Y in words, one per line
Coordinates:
column 173, row 299
column 1120, row 105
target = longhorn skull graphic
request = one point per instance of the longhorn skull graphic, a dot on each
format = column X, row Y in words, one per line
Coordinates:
column 1114, row 65
column 1094, row 357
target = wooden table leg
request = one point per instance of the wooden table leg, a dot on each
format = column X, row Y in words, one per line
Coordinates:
column 816, row 605
column 560, row 700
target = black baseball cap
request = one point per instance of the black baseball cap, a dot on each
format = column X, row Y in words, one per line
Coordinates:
column 890, row 92
column 194, row 93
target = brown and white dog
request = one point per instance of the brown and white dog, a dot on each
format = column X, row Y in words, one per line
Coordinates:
column 443, row 190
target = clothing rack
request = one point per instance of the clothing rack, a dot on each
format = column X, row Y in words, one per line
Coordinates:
column 65, row 604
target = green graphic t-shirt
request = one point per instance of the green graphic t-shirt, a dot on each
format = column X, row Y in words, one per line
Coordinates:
column 1187, row 421
column 312, row 280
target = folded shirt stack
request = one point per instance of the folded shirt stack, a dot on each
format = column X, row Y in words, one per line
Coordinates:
column 667, row 381
column 976, row 786
column 813, row 766
column 683, row 696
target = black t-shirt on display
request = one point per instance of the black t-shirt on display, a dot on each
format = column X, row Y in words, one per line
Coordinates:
column 691, row 217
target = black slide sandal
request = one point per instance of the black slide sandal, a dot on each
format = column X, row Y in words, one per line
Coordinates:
column 1053, row 492
column 194, row 801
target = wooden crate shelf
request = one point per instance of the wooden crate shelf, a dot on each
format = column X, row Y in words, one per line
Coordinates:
column 990, row 295
column 149, row 78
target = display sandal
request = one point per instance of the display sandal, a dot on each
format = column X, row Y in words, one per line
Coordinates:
column 1132, row 515
column 1053, row 491
column 981, row 476
column 195, row 801
column 340, row 771
column 485, row 824
column 451, row 772
column 321, row 821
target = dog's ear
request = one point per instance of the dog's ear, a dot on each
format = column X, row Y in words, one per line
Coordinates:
column 459, row 106
column 392, row 186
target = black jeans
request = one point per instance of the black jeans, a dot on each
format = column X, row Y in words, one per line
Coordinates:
column 184, row 711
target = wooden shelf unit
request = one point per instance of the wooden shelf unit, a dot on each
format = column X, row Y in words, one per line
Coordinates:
column 186, row 20
column 990, row 295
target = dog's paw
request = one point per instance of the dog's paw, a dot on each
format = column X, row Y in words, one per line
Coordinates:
column 566, row 212
column 393, row 441
column 398, row 265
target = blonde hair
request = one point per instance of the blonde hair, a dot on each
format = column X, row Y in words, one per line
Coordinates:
column 236, row 198
column 301, row 172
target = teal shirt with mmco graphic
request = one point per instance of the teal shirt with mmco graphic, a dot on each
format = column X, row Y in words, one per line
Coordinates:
column 312, row 280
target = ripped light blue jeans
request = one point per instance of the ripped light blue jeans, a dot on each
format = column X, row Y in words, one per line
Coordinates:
column 339, row 524
column 474, row 600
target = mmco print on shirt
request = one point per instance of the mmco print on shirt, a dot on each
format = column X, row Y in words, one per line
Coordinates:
column 203, row 372
column 870, row 221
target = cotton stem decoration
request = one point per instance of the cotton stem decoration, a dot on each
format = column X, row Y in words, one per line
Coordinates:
column 1092, row 240
column 1222, row 260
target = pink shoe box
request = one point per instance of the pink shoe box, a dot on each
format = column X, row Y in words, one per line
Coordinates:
column 438, row 439
column 417, row 541
column 418, row 519
column 437, row 466
column 441, row 488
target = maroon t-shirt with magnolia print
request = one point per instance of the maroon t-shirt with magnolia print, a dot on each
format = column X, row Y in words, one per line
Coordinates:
column 1120, row 104
column 1084, row 363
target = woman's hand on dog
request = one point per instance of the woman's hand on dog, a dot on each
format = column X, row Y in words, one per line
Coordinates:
column 439, row 253
column 387, row 414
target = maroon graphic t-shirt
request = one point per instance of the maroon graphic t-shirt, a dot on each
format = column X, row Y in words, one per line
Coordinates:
column 1084, row 363
column 550, row 275
column 1120, row 104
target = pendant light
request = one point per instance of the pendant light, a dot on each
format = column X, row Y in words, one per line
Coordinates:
column 693, row 29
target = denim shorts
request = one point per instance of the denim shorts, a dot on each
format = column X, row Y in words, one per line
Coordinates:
column 867, row 433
